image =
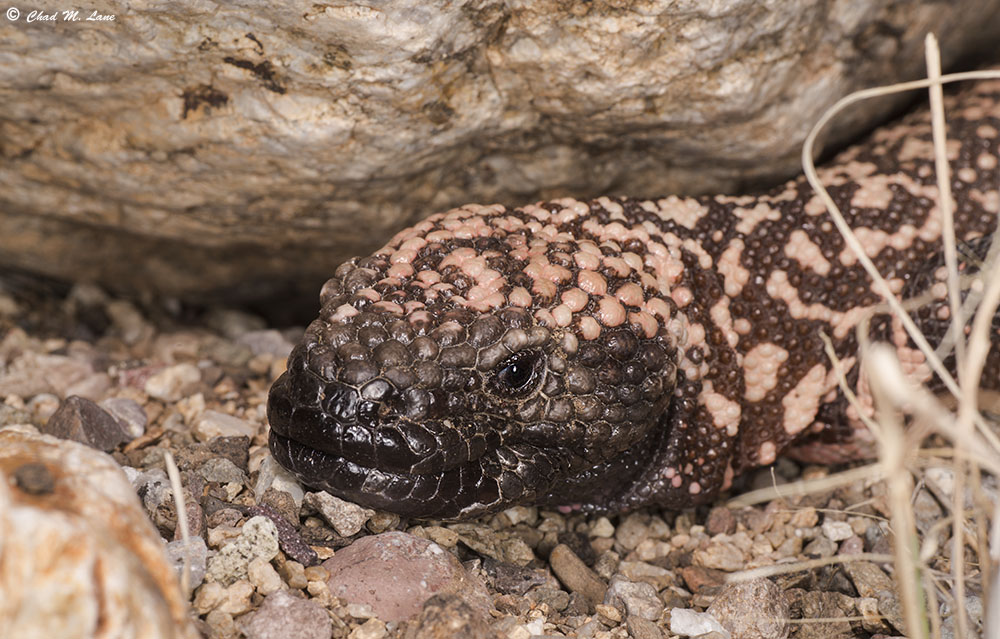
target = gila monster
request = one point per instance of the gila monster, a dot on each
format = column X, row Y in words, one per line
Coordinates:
column 618, row 353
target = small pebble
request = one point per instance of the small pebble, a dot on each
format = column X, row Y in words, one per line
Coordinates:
column 221, row 470
column 83, row 421
column 638, row 599
column 320, row 592
column 42, row 406
column 295, row 575
column 272, row 475
column 258, row 538
column 609, row 612
column 688, row 623
column 871, row 619
column 509, row 578
column 721, row 520
column 285, row 616
column 656, row 576
column 371, row 629
column 221, row 625
column 632, row 530
column 127, row 321
column 360, row 611
column 212, row 424
column 832, row 606
column 233, row 322
column 602, row 528
column 755, row 609
column 267, row 341
column 721, row 556
column 447, row 616
column 521, row 514
column 9, row 306
column 804, row 518
column 196, row 552
column 700, row 579
column 589, row 630
column 639, row 628
column 235, row 449
column 263, row 576
column 820, row 547
column 346, row 518
column 236, row 599
column 837, row 530
column 208, row 597
column 852, row 546
column 444, row 537
column 289, row 539
column 317, row 573
column 92, row 387
column 553, row 598
column 576, row 575
column 128, row 413
column 32, row 373
column 173, row 382
column 382, row 521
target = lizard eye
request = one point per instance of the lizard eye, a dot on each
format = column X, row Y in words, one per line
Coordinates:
column 517, row 372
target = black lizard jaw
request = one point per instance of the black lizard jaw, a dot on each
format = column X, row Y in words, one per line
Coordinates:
column 333, row 418
column 439, row 478
column 459, row 493
column 482, row 486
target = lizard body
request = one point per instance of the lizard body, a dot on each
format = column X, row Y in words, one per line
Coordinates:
column 618, row 353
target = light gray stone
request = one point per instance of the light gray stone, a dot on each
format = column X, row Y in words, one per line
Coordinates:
column 345, row 517
column 755, row 609
column 258, row 539
column 163, row 150
column 689, row 623
column 196, row 552
column 634, row 598
column 173, row 382
column 129, row 414
column 212, row 424
column 284, row 616
column 272, row 475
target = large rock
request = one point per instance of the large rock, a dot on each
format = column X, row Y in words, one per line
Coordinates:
column 396, row 573
column 78, row 557
column 188, row 148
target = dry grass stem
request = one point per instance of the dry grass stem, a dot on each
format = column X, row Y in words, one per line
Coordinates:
column 804, row 487
column 975, row 446
column 175, row 485
column 799, row 566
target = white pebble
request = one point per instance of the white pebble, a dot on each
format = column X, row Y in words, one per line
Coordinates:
column 214, row 424
column 837, row 530
column 173, row 382
column 689, row 623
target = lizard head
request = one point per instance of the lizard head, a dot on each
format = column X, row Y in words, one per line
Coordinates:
column 483, row 358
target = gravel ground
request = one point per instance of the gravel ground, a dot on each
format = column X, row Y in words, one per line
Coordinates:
column 269, row 559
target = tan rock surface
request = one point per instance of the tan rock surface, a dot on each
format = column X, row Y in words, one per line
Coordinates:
column 193, row 147
column 78, row 557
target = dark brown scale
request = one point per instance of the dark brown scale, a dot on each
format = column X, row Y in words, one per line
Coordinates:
column 391, row 353
column 359, row 371
column 352, row 351
column 372, row 336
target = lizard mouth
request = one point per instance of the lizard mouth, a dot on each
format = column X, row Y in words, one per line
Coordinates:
column 460, row 492
column 331, row 439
